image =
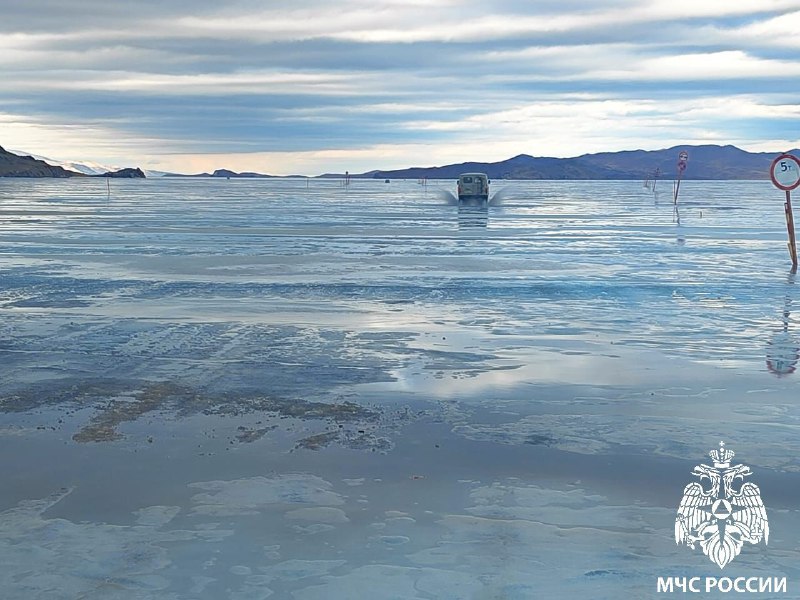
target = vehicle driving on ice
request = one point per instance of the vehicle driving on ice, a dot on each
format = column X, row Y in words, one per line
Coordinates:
column 473, row 186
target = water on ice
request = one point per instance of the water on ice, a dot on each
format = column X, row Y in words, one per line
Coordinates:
column 290, row 389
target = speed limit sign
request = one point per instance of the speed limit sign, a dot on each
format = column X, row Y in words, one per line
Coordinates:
column 785, row 172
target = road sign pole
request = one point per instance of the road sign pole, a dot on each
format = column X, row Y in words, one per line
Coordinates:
column 683, row 158
column 790, row 227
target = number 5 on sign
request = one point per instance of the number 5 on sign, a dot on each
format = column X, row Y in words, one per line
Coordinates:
column 785, row 172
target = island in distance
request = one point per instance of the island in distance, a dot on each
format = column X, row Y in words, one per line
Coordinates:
column 126, row 173
column 227, row 173
column 710, row 162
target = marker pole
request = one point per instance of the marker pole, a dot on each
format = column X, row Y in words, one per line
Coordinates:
column 790, row 227
column 683, row 158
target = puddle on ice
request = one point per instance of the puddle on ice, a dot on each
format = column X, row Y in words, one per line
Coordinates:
column 368, row 393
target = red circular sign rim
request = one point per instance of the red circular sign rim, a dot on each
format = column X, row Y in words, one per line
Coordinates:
column 772, row 173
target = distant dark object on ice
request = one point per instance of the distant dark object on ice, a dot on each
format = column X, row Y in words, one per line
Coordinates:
column 128, row 173
column 12, row 165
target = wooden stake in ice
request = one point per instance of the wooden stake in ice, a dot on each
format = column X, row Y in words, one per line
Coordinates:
column 683, row 158
column 787, row 207
column 785, row 175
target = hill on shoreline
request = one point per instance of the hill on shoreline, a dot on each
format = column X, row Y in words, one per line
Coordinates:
column 17, row 165
column 12, row 165
column 705, row 162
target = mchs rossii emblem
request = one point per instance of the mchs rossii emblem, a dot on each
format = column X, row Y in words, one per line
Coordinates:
column 721, row 511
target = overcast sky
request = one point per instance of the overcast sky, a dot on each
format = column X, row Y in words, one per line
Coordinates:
column 326, row 86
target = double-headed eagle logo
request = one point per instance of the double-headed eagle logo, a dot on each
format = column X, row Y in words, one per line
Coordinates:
column 721, row 511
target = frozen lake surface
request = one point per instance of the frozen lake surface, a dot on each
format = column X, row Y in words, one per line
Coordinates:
column 246, row 389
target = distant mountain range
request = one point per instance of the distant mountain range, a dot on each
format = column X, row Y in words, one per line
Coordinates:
column 223, row 173
column 705, row 162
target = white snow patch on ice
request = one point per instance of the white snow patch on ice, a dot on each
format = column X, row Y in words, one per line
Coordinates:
column 156, row 516
column 354, row 481
column 241, row 570
column 42, row 556
column 313, row 529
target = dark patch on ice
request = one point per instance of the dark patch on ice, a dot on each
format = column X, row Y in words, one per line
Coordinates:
column 320, row 440
column 247, row 435
column 538, row 439
column 103, row 426
column 358, row 440
column 117, row 402
column 300, row 409
column 72, row 394
column 610, row 573
column 605, row 573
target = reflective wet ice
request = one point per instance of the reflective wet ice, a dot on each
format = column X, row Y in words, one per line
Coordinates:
column 300, row 389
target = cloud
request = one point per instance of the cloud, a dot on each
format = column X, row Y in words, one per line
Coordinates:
column 376, row 82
